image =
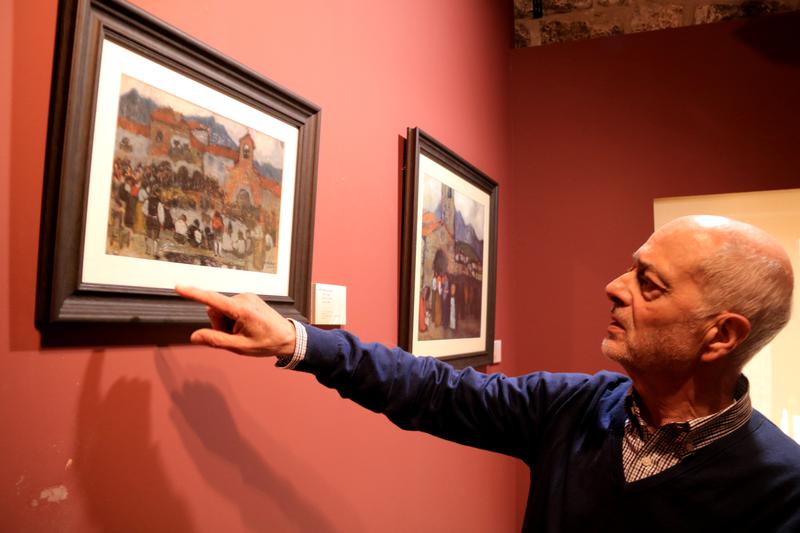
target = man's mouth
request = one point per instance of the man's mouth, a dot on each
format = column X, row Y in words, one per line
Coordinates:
column 616, row 323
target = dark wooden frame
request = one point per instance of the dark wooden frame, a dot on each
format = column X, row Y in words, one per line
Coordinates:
column 62, row 299
column 420, row 143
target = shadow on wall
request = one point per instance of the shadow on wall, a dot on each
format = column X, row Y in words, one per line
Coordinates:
column 117, row 466
column 267, row 500
column 774, row 36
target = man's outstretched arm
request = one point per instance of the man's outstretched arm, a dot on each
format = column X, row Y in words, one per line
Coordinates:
column 496, row 413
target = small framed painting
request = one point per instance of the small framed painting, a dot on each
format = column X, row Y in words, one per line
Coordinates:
column 449, row 255
column 168, row 163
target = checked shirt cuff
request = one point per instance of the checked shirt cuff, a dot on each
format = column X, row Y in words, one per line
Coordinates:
column 300, row 345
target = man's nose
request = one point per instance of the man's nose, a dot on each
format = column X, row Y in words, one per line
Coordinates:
column 618, row 292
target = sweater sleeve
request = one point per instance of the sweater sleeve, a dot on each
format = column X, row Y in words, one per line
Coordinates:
column 492, row 412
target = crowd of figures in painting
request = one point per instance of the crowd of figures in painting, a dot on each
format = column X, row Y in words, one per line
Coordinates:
column 451, row 277
column 183, row 191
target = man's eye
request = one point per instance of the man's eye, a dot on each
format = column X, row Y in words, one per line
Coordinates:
column 648, row 285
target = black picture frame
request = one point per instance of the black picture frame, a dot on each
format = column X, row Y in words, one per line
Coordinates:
column 441, row 247
column 64, row 298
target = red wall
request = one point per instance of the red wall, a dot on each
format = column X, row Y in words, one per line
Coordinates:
column 183, row 438
column 600, row 128
column 188, row 439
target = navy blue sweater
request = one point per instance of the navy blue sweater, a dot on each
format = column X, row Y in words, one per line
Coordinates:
column 568, row 429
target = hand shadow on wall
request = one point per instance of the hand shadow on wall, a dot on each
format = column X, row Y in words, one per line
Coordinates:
column 117, row 466
column 268, row 501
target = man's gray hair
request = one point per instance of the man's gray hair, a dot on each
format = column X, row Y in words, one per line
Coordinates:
column 741, row 277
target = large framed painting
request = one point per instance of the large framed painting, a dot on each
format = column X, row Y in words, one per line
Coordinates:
column 449, row 255
column 168, row 162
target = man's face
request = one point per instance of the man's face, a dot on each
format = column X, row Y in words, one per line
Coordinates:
column 657, row 314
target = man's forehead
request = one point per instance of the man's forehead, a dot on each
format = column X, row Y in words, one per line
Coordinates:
column 642, row 259
column 693, row 239
column 675, row 250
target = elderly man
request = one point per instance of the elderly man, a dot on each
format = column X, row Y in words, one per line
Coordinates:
column 674, row 447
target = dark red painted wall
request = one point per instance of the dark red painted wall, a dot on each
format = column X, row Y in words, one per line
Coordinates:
column 600, row 128
column 187, row 439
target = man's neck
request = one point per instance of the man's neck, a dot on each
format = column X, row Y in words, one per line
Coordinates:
column 679, row 400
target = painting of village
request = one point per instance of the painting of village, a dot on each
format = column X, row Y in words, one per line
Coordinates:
column 452, row 263
column 190, row 186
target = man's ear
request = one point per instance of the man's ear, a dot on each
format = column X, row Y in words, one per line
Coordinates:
column 728, row 331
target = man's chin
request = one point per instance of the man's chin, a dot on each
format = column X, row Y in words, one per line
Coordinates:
column 614, row 351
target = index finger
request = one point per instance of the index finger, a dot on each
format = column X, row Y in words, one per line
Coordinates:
column 218, row 301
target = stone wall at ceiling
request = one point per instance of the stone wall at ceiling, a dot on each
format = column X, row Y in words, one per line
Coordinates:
column 572, row 20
